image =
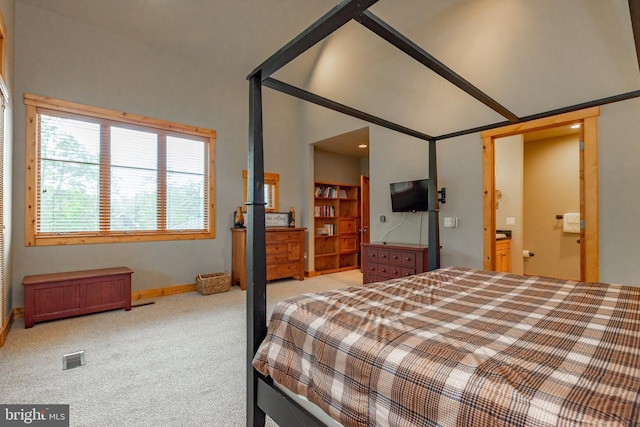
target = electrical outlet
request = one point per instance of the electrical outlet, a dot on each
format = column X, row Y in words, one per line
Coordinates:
column 450, row 221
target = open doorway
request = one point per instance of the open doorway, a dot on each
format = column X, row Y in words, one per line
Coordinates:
column 339, row 162
column 538, row 194
column 587, row 237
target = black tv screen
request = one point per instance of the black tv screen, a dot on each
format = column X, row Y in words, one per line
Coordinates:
column 410, row 196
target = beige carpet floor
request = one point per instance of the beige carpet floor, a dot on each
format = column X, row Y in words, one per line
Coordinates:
column 177, row 362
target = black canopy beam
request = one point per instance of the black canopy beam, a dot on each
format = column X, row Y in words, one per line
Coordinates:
column 433, row 253
column 634, row 10
column 256, row 250
column 323, row 27
column 602, row 101
column 388, row 33
column 341, row 108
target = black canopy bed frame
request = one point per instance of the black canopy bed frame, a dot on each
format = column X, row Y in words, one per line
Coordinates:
column 263, row 397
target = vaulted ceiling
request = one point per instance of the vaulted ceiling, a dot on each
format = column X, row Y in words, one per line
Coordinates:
column 501, row 60
column 241, row 31
column 528, row 56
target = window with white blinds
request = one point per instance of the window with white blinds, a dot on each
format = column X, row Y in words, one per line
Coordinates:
column 3, row 141
column 103, row 176
column 3, row 101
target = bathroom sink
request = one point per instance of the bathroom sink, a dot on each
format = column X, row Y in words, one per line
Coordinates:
column 503, row 234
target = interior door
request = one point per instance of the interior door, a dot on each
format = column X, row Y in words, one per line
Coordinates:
column 364, row 211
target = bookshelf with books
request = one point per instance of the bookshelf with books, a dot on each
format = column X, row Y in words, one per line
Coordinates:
column 336, row 224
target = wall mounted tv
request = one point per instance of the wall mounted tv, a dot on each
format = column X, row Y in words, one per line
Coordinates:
column 410, row 196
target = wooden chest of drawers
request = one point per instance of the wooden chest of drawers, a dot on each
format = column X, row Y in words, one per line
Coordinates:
column 285, row 254
column 389, row 261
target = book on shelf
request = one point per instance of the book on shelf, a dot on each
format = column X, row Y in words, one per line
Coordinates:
column 323, row 210
column 342, row 193
column 327, row 192
column 327, row 230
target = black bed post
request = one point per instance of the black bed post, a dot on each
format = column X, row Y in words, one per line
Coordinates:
column 433, row 253
column 256, row 249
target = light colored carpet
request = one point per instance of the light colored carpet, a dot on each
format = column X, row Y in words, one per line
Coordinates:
column 177, row 362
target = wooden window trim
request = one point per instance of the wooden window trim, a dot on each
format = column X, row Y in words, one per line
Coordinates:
column 35, row 102
column 3, row 48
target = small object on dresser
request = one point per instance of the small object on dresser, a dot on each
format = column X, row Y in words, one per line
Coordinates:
column 292, row 217
column 238, row 218
column 213, row 283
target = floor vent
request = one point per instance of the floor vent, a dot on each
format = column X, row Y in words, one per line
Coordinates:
column 73, row 360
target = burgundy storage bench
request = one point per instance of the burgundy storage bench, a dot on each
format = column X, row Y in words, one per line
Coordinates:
column 59, row 295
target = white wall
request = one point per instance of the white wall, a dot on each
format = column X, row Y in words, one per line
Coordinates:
column 395, row 157
column 65, row 59
column 619, row 185
column 460, row 172
column 508, row 154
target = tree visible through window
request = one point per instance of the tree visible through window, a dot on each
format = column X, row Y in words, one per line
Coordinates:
column 99, row 178
column 69, row 175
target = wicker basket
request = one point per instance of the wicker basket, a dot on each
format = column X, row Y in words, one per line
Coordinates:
column 213, row 283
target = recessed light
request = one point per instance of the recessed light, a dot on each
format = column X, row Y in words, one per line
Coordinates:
column 362, row 146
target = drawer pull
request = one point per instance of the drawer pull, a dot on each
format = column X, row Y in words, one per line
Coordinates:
column 382, row 256
column 407, row 259
column 395, row 257
column 371, row 268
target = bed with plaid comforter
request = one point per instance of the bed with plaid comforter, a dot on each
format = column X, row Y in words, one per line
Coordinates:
column 462, row 347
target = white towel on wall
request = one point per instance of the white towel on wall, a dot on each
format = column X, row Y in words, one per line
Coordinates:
column 571, row 223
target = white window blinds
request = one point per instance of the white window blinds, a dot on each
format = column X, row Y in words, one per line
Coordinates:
column 98, row 176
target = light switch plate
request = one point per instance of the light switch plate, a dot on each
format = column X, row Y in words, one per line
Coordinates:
column 450, row 221
column 511, row 221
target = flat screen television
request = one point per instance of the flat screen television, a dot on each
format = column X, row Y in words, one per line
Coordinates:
column 410, row 196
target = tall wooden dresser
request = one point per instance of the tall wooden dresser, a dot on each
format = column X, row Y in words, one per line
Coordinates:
column 392, row 260
column 285, row 254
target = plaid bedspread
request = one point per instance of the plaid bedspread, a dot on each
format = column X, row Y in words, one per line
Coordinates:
column 462, row 347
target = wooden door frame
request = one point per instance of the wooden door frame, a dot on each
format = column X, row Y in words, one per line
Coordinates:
column 365, row 212
column 589, row 241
